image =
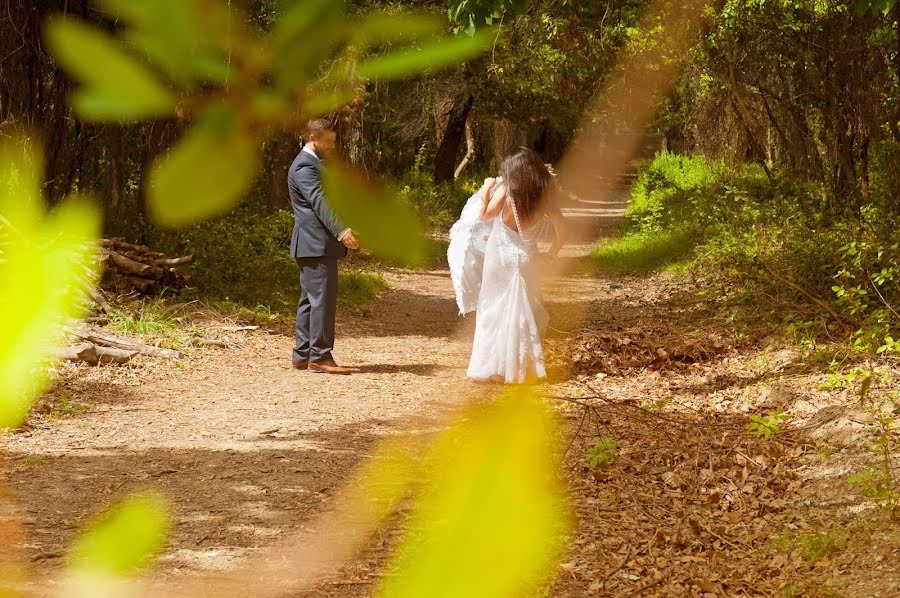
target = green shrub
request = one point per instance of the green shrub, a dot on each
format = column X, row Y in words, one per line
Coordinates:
column 666, row 190
column 437, row 205
column 774, row 237
column 244, row 258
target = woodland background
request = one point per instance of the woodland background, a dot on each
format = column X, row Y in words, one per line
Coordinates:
column 786, row 114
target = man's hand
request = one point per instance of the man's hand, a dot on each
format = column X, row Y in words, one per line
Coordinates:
column 349, row 241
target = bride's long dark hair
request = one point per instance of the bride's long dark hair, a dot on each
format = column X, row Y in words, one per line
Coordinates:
column 527, row 179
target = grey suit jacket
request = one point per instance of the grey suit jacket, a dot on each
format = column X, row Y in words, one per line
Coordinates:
column 316, row 226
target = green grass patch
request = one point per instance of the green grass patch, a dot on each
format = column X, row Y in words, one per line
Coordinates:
column 643, row 252
column 356, row 287
column 153, row 321
column 144, row 318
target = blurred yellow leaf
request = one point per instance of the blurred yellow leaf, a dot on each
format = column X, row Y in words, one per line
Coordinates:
column 491, row 516
column 385, row 478
column 44, row 262
column 124, row 539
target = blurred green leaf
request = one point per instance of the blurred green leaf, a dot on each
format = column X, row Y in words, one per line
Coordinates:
column 299, row 18
column 382, row 223
column 490, row 518
column 116, row 86
column 187, row 39
column 433, row 56
column 296, row 64
column 322, row 102
column 44, row 262
column 864, row 6
column 124, row 539
column 206, row 174
column 383, row 27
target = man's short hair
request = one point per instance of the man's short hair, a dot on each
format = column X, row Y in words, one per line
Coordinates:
column 316, row 127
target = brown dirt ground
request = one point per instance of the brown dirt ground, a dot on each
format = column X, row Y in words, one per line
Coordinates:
column 249, row 450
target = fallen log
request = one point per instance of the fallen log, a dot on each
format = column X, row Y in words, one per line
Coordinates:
column 111, row 355
column 106, row 340
column 174, row 261
column 139, row 284
column 92, row 354
column 85, row 352
column 127, row 264
column 120, row 245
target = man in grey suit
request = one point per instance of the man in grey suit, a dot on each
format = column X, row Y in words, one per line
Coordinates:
column 319, row 239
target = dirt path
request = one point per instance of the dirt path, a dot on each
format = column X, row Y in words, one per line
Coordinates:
column 247, row 448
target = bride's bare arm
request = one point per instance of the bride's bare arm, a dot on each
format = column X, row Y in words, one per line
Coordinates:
column 492, row 203
column 562, row 229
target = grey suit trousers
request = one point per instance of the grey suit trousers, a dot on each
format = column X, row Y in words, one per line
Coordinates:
column 317, row 309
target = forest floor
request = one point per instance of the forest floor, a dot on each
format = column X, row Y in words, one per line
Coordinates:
column 691, row 503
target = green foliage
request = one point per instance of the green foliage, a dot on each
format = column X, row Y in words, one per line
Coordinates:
column 468, row 16
column 818, row 545
column 637, row 252
column 240, row 88
column 868, row 290
column 243, row 258
column 813, row 546
column 880, row 483
column 381, row 222
column 602, row 454
column 122, row 89
column 765, row 426
column 437, row 205
column 763, row 233
column 122, row 540
column 145, row 319
column 490, row 518
column 546, row 66
column 873, row 484
column 45, row 261
column 668, row 190
column 402, row 64
column 882, row 6
column 216, row 154
column 356, row 287
column 66, row 408
column 838, row 378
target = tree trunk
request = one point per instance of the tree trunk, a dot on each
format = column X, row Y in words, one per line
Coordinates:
column 864, row 169
column 746, row 118
column 445, row 158
column 507, row 136
column 470, row 150
column 117, row 169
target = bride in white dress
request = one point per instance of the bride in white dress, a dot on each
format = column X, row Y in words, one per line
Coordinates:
column 495, row 266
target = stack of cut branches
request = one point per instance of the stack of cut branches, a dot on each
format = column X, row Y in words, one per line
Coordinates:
column 138, row 270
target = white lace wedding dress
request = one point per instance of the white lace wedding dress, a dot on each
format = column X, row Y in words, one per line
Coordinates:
column 495, row 273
